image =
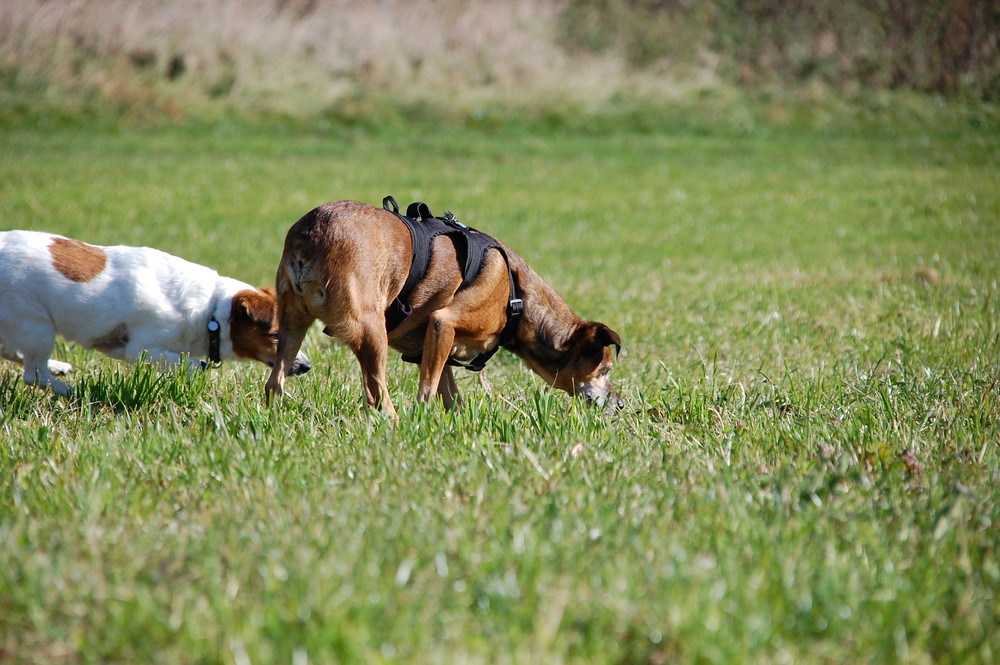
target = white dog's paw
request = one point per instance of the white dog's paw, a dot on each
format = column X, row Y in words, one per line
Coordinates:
column 59, row 368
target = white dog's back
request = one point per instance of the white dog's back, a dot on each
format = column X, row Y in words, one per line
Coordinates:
column 124, row 302
column 79, row 289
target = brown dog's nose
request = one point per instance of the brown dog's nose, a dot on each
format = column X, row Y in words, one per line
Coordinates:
column 613, row 403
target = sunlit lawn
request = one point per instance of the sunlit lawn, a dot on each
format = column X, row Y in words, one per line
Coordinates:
column 806, row 469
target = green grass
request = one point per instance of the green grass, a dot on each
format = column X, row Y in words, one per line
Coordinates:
column 806, row 469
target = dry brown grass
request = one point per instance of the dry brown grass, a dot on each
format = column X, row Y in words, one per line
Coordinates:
column 307, row 55
column 345, row 58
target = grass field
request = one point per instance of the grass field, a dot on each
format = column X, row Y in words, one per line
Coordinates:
column 806, row 470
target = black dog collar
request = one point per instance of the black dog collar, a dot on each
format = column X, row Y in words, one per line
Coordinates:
column 214, row 340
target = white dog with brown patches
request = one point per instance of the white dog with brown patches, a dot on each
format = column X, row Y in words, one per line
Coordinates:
column 127, row 303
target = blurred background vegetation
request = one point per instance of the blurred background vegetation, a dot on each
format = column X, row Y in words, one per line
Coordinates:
column 154, row 61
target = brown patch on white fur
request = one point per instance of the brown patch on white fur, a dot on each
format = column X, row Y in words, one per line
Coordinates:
column 253, row 325
column 77, row 261
column 116, row 339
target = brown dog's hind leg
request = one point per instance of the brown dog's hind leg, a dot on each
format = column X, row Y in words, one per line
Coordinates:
column 448, row 389
column 484, row 381
column 372, row 352
column 292, row 327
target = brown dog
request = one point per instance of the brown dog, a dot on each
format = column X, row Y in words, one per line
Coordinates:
column 345, row 262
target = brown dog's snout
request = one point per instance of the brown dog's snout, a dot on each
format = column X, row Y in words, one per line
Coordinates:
column 607, row 399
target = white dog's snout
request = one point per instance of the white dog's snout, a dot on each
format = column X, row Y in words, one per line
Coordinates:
column 300, row 366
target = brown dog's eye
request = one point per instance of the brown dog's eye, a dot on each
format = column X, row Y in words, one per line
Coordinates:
column 273, row 337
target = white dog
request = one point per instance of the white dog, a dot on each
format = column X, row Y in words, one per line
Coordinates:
column 125, row 302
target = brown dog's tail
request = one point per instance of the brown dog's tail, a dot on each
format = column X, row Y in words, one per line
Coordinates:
column 298, row 274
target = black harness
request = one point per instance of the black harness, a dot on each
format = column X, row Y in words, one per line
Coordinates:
column 471, row 248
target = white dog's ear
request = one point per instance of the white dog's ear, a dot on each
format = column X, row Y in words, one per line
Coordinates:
column 252, row 305
column 240, row 305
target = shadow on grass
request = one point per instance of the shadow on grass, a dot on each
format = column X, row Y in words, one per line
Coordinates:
column 120, row 388
column 125, row 388
column 17, row 401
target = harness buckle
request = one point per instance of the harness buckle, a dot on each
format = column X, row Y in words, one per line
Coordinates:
column 450, row 219
column 515, row 307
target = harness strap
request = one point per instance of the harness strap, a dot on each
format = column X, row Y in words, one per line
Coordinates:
column 515, row 308
column 424, row 228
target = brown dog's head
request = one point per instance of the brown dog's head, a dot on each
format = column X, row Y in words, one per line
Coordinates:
column 253, row 329
column 584, row 366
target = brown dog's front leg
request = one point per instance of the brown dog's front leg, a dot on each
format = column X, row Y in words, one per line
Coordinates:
column 438, row 341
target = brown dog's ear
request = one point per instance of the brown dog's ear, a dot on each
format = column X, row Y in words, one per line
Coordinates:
column 608, row 337
column 592, row 337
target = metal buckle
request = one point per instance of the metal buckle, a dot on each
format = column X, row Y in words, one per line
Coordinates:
column 450, row 219
column 515, row 307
